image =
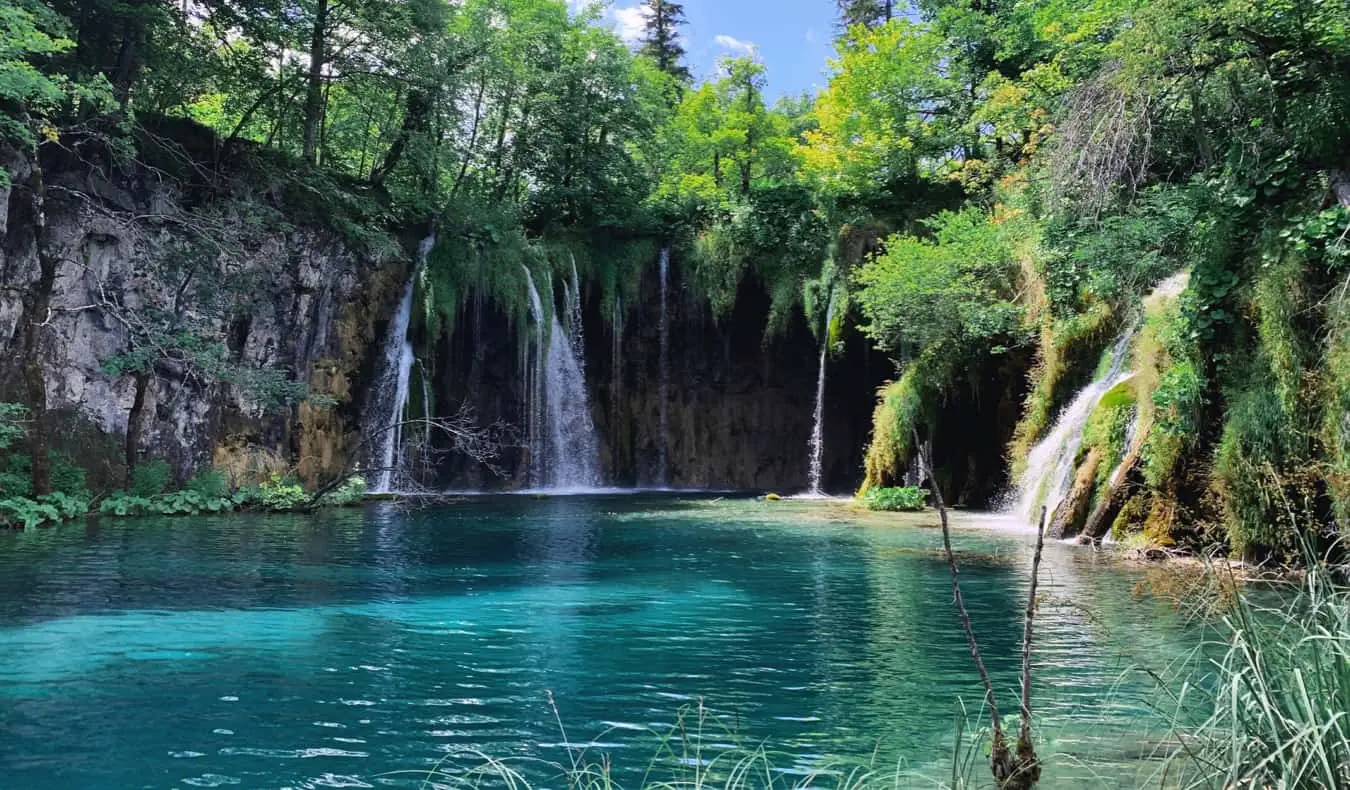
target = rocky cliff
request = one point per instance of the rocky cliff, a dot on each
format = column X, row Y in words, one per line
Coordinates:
column 178, row 314
column 202, row 309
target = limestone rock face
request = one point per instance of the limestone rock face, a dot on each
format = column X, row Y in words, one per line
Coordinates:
column 140, row 255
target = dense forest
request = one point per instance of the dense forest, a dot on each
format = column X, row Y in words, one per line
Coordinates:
column 1007, row 199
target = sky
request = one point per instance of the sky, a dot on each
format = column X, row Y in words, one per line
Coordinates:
column 792, row 37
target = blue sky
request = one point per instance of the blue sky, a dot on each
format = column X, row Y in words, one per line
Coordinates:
column 792, row 37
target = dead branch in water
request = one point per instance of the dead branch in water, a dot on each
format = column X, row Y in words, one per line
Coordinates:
column 1011, row 772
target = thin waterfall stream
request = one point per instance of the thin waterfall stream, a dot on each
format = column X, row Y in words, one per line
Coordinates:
column 663, row 451
column 390, row 392
column 816, row 444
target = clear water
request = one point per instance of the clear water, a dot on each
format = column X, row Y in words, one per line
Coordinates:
column 334, row 650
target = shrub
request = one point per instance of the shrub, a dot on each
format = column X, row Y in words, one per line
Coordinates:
column 52, row 508
column 67, row 505
column 67, row 477
column 279, row 493
column 173, row 503
column 120, row 503
column 908, row 498
column 14, row 484
column 150, row 478
column 210, row 483
column 351, row 492
column 27, row 513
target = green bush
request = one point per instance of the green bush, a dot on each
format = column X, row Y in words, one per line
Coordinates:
column 52, row 508
column 151, row 478
column 17, row 478
column 908, row 498
column 173, row 503
column 15, row 484
column 352, row 491
column 67, row 477
column 120, row 503
column 210, row 483
column 279, row 493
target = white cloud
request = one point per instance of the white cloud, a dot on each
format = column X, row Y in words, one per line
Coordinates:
column 745, row 48
column 811, row 35
column 630, row 23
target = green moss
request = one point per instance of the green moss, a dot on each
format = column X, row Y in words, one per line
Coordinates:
column 899, row 406
column 1336, row 409
column 1107, row 428
column 1278, row 297
column 1248, row 468
column 1170, row 383
column 1061, row 342
column 1132, row 514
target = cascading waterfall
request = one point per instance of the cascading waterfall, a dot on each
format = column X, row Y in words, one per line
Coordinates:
column 817, row 441
column 535, row 384
column 1050, row 465
column 663, row 452
column 390, row 393
column 564, row 450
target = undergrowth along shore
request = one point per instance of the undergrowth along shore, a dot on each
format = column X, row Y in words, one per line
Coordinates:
column 1263, row 702
column 149, row 492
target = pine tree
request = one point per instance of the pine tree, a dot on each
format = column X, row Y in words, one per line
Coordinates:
column 662, row 43
column 870, row 13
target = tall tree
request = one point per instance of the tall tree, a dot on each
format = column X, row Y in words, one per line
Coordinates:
column 869, row 13
column 662, row 42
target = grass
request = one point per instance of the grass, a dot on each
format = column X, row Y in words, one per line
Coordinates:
column 1274, row 705
column 682, row 762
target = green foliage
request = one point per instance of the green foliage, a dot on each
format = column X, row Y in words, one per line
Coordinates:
column 351, row 492
column 66, row 477
column 281, row 494
column 150, row 478
column 1257, row 445
column 908, row 498
column 50, row 509
column 1335, row 428
column 1271, row 712
column 900, row 406
column 954, row 292
column 1107, row 428
column 12, row 418
column 30, row 35
column 209, row 483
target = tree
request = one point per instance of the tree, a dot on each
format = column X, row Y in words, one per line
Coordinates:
column 662, row 42
column 868, row 13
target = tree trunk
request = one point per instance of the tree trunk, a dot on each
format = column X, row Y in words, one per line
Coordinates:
column 36, row 312
column 134, row 423
column 314, row 91
column 414, row 121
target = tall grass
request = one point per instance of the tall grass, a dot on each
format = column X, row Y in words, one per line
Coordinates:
column 1274, row 704
column 698, row 752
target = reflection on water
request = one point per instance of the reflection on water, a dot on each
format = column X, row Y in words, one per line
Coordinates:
column 294, row 651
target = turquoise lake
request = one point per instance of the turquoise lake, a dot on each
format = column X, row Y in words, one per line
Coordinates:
column 363, row 647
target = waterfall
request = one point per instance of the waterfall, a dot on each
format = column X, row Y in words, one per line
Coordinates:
column 1050, row 465
column 534, row 385
column 816, row 444
column 663, row 457
column 564, row 451
column 390, row 392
